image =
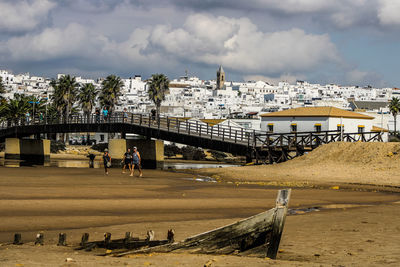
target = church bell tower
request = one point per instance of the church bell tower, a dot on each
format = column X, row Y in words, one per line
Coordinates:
column 220, row 77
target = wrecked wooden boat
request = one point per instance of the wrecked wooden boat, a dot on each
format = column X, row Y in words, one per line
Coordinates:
column 259, row 232
column 129, row 242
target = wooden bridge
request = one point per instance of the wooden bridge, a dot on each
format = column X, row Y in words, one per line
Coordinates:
column 262, row 146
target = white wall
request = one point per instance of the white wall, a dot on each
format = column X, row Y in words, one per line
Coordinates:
column 351, row 125
column 304, row 124
column 307, row 124
column 253, row 124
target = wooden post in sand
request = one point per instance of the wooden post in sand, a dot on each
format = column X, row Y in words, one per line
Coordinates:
column 170, row 236
column 62, row 239
column 39, row 239
column 128, row 238
column 85, row 239
column 107, row 239
column 17, row 239
column 282, row 202
column 150, row 235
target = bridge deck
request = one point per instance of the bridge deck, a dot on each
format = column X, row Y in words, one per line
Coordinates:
column 225, row 138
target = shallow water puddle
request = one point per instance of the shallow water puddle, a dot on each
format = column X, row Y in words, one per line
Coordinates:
column 325, row 207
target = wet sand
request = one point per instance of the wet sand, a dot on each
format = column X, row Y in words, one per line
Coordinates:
column 352, row 227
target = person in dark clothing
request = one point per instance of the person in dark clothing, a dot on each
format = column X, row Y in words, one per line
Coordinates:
column 136, row 160
column 97, row 115
column 91, row 157
column 127, row 161
column 106, row 161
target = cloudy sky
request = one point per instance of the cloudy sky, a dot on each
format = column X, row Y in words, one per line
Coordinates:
column 342, row 41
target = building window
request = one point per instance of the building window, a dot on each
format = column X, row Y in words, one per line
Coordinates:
column 270, row 127
column 317, row 127
column 102, row 138
column 293, row 127
column 339, row 127
column 361, row 128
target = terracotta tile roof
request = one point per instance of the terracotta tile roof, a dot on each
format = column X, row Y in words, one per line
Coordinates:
column 212, row 122
column 317, row 112
column 379, row 129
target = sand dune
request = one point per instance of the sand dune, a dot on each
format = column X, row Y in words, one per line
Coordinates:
column 344, row 163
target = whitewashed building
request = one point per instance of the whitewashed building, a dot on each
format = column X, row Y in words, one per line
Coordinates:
column 316, row 119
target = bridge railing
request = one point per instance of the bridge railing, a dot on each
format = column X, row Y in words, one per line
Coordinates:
column 312, row 139
column 198, row 128
column 172, row 124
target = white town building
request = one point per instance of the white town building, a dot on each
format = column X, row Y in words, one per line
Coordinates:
column 316, row 119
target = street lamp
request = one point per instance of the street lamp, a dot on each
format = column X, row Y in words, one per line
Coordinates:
column 34, row 102
column 37, row 102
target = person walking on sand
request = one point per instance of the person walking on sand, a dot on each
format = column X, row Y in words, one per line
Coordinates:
column 106, row 161
column 136, row 160
column 127, row 161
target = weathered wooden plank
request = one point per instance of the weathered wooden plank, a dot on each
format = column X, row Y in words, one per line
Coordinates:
column 128, row 242
column 282, row 203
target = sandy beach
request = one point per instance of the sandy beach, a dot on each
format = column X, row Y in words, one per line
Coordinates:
column 356, row 221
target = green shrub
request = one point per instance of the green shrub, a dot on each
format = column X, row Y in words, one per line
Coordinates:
column 171, row 150
column 192, row 153
column 100, row 147
column 218, row 155
column 394, row 139
column 56, row 146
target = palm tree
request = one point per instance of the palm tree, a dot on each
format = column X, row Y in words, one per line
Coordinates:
column 2, row 109
column 57, row 98
column 87, row 97
column 36, row 105
column 15, row 109
column 394, row 107
column 2, row 99
column 157, row 87
column 64, row 95
column 2, row 88
column 110, row 91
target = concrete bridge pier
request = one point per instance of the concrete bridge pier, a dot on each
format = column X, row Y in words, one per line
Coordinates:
column 249, row 155
column 151, row 151
column 30, row 151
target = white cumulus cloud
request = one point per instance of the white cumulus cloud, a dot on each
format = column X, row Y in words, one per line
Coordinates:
column 388, row 12
column 73, row 40
column 202, row 42
column 239, row 45
column 23, row 15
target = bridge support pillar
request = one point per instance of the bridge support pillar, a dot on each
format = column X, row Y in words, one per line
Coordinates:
column 249, row 156
column 31, row 151
column 116, row 148
column 151, row 151
column 249, row 159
